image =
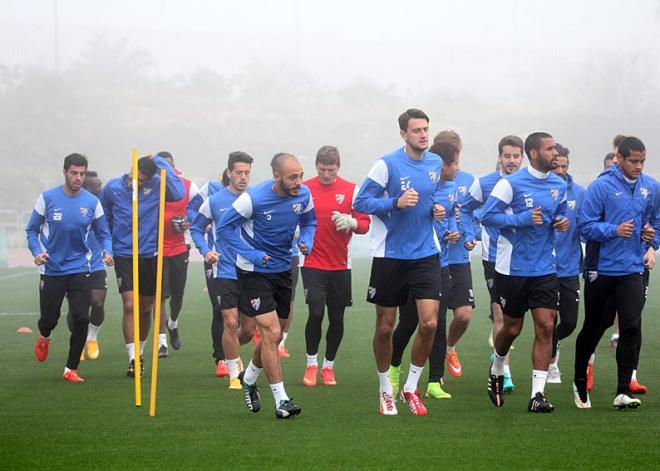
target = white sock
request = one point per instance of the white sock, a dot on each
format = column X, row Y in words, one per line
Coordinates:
column 497, row 368
column 538, row 381
column 451, row 349
column 251, row 374
column 172, row 324
column 384, row 382
column 162, row 339
column 592, row 358
column 328, row 364
column 615, row 336
column 130, row 348
column 557, row 355
column 142, row 344
column 507, row 370
column 66, row 370
column 284, row 336
column 93, row 331
column 232, row 365
column 279, row 393
column 553, row 364
column 414, row 374
column 312, row 360
column 634, row 376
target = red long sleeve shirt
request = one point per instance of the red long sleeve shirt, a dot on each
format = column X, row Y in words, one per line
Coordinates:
column 332, row 247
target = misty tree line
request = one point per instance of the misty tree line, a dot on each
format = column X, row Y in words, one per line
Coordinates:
column 111, row 100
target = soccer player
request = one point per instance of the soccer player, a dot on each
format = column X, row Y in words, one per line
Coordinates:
column 326, row 273
column 527, row 207
column 399, row 194
column 267, row 216
column 98, row 280
column 210, row 272
column 618, row 216
column 176, row 253
column 237, row 328
column 509, row 159
column 568, row 251
column 448, row 234
column 116, row 198
column 460, row 295
column 57, row 237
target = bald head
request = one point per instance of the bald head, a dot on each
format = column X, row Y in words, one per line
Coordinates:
column 287, row 173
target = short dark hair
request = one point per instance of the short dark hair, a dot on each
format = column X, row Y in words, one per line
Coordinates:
column 617, row 140
column 630, row 144
column 276, row 161
column 90, row 176
column 76, row 159
column 510, row 140
column 608, row 158
column 412, row 113
column 562, row 151
column 533, row 141
column 328, row 155
column 450, row 136
column 447, row 150
column 238, row 156
column 147, row 166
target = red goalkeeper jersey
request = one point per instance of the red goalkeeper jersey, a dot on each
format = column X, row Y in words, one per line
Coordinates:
column 332, row 247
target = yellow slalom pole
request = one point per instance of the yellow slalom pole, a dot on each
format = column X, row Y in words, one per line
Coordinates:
column 159, row 290
column 136, row 284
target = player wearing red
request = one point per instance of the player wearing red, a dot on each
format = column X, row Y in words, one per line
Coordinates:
column 326, row 273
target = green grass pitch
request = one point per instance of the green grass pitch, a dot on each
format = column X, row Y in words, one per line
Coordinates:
column 46, row 423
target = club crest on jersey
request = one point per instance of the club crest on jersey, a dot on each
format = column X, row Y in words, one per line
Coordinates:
column 644, row 191
column 146, row 191
column 340, row 198
column 83, row 211
column 571, row 204
column 462, row 189
column 432, row 175
column 297, row 208
column 554, row 193
column 371, row 292
column 256, row 302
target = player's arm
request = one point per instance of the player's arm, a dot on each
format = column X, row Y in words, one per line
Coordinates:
column 33, row 228
column 106, row 203
column 174, row 188
column 371, row 198
column 560, row 218
column 102, row 233
column 196, row 201
column 493, row 212
column 472, row 202
column 228, row 229
column 307, row 224
column 198, row 228
column 453, row 233
column 591, row 225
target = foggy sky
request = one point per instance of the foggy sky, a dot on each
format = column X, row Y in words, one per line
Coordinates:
column 503, row 55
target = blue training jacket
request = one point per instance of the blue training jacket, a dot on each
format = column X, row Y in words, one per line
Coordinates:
column 210, row 212
column 60, row 226
column 568, row 245
column 117, row 200
column 446, row 196
column 610, row 201
column 524, row 249
column 458, row 254
column 267, row 225
column 478, row 195
column 401, row 233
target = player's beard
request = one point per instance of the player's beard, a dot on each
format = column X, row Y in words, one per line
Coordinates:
column 288, row 191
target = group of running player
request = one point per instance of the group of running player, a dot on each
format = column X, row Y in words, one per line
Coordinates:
column 425, row 217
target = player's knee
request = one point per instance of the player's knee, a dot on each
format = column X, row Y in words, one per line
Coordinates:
column 384, row 330
column 428, row 327
column 272, row 334
column 230, row 323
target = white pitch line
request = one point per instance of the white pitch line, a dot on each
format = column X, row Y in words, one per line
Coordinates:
column 8, row 314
